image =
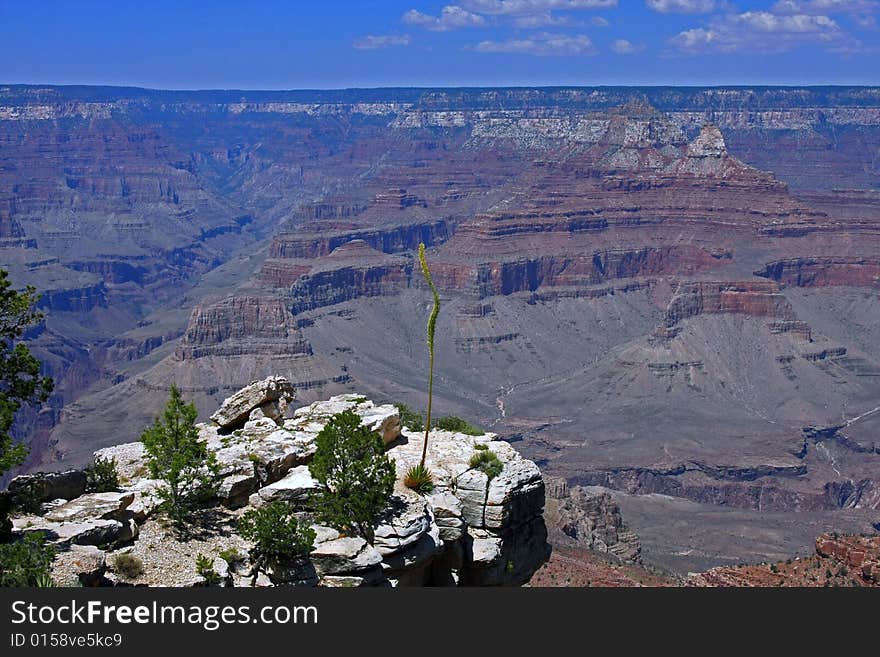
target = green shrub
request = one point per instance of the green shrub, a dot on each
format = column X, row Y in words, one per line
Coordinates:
column 487, row 462
column 276, row 533
column 457, row 424
column 409, row 418
column 419, row 479
column 355, row 476
column 231, row 555
column 101, row 476
column 182, row 461
column 774, row 568
column 481, row 446
column 26, row 562
column 29, row 498
column 128, row 565
column 205, row 568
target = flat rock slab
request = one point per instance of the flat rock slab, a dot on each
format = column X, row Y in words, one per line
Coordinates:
column 105, row 506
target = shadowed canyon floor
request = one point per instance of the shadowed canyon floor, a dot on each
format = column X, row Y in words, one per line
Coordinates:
column 648, row 289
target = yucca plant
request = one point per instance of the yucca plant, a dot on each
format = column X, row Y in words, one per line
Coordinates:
column 419, row 479
column 432, row 325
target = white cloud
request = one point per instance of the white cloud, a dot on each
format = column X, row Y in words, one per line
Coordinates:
column 625, row 47
column 825, row 7
column 451, row 17
column 373, row 42
column 760, row 31
column 542, row 44
column 520, row 7
column 682, row 6
column 598, row 21
column 543, row 19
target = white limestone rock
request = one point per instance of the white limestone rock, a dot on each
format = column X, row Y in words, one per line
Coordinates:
column 235, row 410
column 295, row 487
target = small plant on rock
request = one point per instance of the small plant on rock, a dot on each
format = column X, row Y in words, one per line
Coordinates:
column 487, row 462
column 26, row 562
column 355, row 476
column 128, row 565
column 101, row 476
column 205, row 569
column 419, row 479
column 459, row 425
column 231, row 555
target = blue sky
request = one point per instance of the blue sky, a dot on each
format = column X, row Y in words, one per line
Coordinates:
column 331, row 44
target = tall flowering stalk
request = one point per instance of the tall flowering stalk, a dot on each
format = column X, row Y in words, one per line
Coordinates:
column 432, row 325
column 419, row 478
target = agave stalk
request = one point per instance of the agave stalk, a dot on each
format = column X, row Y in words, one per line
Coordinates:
column 432, row 325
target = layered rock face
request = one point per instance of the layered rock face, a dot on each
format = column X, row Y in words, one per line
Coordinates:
column 656, row 290
column 468, row 531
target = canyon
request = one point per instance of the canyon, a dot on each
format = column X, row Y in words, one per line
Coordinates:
column 670, row 293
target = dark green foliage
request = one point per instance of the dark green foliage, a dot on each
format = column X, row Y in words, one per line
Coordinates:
column 25, row 562
column 101, row 476
column 356, row 477
column 205, row 568
column 487, row 462
column 774, row 568
column 457, row 424
column 128, row 565
column 231, row 555
column 20, row 380
column 276, row 533
column 481, row 446
column 182, row 461
column 409, row 418
column 419, row 479
column 29, row 498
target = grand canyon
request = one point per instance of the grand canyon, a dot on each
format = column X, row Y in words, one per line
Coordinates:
column 670, row 293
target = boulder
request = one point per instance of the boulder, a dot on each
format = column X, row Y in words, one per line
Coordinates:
column 235, row 489
column 344, row 556
column 297, row 572
column 104, row 506
column 45, row 486
column 86, row 532
column 234, row 411
column 295, row 487
column 131, row 460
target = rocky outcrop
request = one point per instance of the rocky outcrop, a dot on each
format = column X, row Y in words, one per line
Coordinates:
column 241, row 325
column 591, row 518
column 271, row 396
column 752, row 298
column 391, row 239
column 822, row 272
column 470, row 530
column 353, row 270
